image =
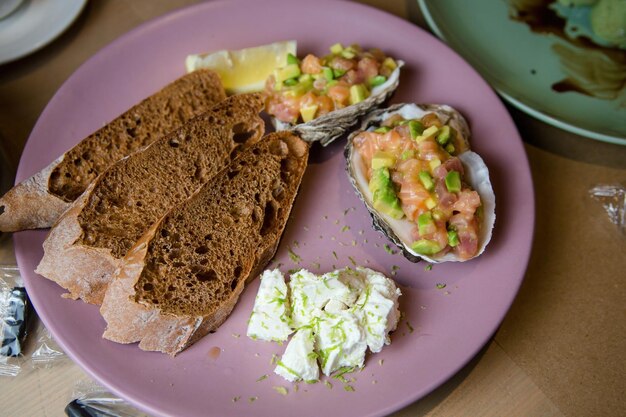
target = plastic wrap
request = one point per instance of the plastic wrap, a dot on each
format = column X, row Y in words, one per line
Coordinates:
column 15, row 312
column 613, row 198
column 47, row 352
column 26, row 343
column 90, row 399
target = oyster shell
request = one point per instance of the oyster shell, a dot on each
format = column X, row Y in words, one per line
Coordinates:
column 476, row 175
column 333, row 125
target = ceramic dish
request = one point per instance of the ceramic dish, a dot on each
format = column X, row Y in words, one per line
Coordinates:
column 34, row 24
column 537, row 68
column 444, row 326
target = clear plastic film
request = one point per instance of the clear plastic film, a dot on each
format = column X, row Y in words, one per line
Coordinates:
column 25, row 342
column 91, row 399
column 14, row 320
column 613, row 198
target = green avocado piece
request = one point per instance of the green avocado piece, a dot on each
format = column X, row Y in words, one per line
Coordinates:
column 416, row 128
column 328, row 73
column 292, row 59
column 384, row 196
column 444, row 135
column 425, row 223
column 382, row 129
column 426, row 247
column 427, row 180
column 453, row 181
column 382, row 159
column 358, row 93
column 453, row 238
column 377, row 80
column 287, row 72
column 386, row 201
column 336, row 48
column 380, row 179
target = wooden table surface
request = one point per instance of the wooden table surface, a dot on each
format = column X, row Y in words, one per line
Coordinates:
column 561, row 350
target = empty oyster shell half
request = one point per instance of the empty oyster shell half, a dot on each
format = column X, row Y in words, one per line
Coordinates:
column 476, row 175
column 333, row 125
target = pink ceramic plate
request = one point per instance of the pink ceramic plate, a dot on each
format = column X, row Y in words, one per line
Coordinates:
column 444, row 327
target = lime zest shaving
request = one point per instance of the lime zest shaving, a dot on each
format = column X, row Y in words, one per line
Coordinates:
column 281, row 390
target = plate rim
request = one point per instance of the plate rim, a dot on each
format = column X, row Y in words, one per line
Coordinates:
column 216, row 4
column 526, row 108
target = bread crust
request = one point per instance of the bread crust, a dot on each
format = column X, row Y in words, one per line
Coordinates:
column 132, row 319
column 84, row 271
column 33, row 203
column 29, row 205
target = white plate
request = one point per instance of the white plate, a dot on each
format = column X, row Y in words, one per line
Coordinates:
column 35, row 24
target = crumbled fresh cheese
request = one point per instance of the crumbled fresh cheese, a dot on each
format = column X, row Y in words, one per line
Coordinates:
column 340, row 341
column 337, row 317
column 299, row 362
column 270, row 317
column 377, row 309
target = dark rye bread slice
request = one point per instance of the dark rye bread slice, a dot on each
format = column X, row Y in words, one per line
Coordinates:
column 90, row 239
column 39, row 200
column 183, row 277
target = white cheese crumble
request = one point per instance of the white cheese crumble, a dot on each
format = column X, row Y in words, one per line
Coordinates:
column 270, row 318
column 299, row 362
column 337, row 316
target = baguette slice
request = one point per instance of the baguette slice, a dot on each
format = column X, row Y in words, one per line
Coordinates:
column 38, row 201
column 183, row 277
column 90, row 239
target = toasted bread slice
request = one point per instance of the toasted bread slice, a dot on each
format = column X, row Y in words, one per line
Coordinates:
column 93, row 235
column 38, row 201
column 183, row 277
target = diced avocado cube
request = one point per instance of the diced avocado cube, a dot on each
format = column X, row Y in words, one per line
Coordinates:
column 308, row 113
column 434, row 163
column 377, row 80
column 430, row 203
column 382, row 159
column 426, row 224
column 382, row 129
column 328, row 73
column 408, row 154
column 450, row 148
column 386, row 201
column 336, row 48
column 380, row 179
column 416, row 128
column 427, row 133
column 453, row 181
column 444, row 135
column 348, row 52
column 290, row 82
column 438, row 214
column 427, row 180
column 338, row 72
column 384, row 195
column 306, row 78
column 358, row 93
column 426, row 247
column 453, row 238
column 287, row 72
column 390, row 63
column 292, row 59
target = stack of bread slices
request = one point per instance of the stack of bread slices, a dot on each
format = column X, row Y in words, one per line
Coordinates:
column 164, row 214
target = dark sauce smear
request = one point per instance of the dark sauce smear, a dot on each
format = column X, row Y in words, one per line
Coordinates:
column 543, row 20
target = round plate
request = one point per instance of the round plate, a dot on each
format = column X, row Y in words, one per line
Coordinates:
column 329, row 227
column 34, row 24
column 524, row 68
